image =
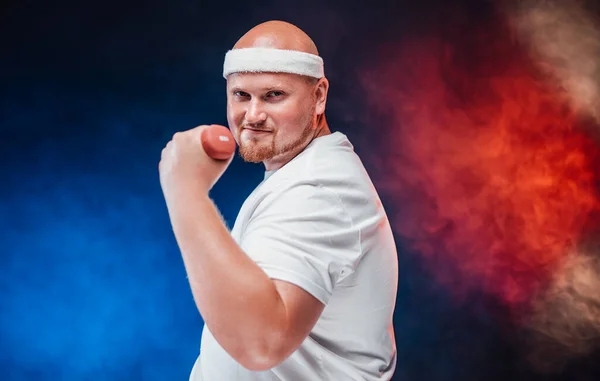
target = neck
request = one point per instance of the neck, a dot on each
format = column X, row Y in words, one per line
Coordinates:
column 321, row 129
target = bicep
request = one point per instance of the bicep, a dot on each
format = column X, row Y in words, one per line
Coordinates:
column 302, row 312
column 304, row 240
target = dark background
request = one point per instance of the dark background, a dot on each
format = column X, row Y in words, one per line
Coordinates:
column 92, row 286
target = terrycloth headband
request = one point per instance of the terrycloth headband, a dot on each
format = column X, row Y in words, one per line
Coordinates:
column 268, row 60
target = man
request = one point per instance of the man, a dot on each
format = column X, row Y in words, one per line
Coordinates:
column 304, row 286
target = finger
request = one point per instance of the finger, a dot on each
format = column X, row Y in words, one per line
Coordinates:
column 196, row 133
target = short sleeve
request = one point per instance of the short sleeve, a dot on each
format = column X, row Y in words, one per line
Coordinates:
column 303, row 235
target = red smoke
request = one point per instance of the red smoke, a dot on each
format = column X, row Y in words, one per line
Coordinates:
column 490, row 171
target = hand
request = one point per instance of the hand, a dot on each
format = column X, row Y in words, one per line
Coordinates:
column 185, row 166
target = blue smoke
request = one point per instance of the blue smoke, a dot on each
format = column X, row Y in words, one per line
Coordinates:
column 92, row 283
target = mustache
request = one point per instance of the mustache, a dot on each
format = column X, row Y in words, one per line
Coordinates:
column 255, row 127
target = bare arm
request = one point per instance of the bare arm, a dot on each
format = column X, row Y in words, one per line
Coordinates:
column 258, row 321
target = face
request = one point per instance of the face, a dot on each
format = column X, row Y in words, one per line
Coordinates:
column 271, row 116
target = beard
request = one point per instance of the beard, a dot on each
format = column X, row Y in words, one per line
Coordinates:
column 257, row 150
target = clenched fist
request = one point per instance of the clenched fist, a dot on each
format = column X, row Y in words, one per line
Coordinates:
column 184, row 165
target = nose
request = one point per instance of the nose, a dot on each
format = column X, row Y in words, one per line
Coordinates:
column 255, row 114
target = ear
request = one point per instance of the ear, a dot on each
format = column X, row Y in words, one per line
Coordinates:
column 321, row 89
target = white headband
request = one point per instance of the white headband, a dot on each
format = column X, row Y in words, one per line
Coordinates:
column 268, row 60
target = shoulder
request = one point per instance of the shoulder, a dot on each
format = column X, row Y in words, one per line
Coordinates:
column 301, row 198
column 326, row 175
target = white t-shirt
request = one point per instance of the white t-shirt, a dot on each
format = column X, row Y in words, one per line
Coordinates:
column 318, row 223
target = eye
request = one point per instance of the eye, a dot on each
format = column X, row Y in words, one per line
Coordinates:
column 275, row 94
column 241, row 94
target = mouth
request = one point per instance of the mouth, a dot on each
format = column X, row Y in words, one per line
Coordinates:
column 255, row 129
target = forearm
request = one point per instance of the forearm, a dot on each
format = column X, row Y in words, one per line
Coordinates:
column 238, row 302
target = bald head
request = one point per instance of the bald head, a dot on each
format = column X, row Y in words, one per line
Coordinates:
column 277, row 35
